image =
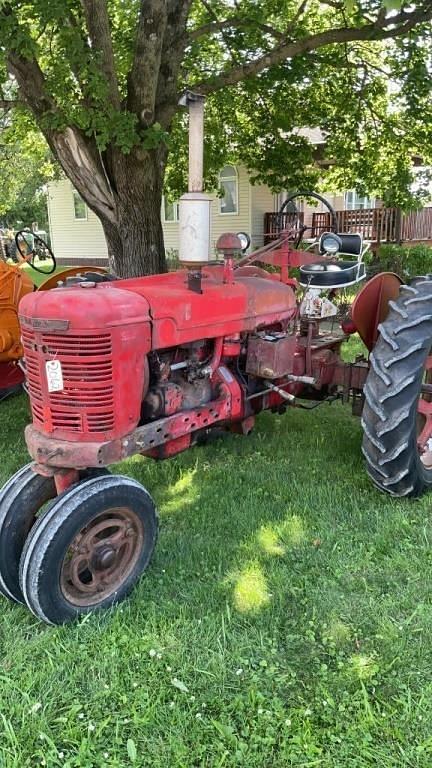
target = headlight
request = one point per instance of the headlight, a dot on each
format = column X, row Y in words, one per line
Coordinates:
column 244, row 239
column 330, row 243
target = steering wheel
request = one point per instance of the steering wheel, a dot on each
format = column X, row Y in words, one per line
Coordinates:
column 31, row 247
column 302, row 228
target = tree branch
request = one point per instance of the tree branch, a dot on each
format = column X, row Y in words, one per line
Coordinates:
column 381, row 29
column 171, row 58
column 212, row 27
column 76, row 153
column 98, row 25
column 217, row 26
column 10, row 103
column 297, row 16
column 143, row 77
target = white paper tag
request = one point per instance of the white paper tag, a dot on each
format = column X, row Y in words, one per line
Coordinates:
column 54, row 375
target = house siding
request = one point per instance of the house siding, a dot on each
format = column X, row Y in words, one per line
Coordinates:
column 232, row 222
column 73, row 240
column 336, row 200
column 262, row 201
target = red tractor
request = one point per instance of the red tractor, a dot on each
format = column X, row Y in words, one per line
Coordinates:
column 147, row 365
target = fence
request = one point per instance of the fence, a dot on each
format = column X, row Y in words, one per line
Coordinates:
column 380, row 225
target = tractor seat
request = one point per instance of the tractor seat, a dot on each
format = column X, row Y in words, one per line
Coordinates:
column 335, row 273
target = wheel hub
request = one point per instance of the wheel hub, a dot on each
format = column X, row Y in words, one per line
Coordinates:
column 101, row 556
column 104, row 558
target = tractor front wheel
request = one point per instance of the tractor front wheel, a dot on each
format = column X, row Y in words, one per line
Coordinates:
column 22, row 501
column 89, row 548
column 397, row 416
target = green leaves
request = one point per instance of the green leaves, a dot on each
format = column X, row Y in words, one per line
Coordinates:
column 392, row 5
column 262, row 124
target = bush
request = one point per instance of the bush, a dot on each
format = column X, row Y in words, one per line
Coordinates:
column 405, row 260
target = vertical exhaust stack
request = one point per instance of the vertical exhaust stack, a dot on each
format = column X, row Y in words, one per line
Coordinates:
column 194, row 208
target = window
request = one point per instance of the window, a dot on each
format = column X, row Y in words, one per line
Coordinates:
column 228, row 180
column 170, row 210
column 354, row 201
column 80, row 208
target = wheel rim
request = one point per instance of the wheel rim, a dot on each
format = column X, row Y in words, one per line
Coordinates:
column 101, row 556
column 424, row 416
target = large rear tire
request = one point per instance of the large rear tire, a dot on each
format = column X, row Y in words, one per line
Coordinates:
column 397, row 416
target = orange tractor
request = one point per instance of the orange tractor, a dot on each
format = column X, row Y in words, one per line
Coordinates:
column 16, row 282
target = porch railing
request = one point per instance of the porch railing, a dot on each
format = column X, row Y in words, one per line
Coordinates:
column 380, row 225
column 376, row 224
column 273, row 223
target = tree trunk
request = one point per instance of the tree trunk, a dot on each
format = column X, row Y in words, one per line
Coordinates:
column 135, row 237
column 135, row 240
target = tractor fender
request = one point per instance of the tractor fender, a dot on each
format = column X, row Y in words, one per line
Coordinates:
column 371, row 305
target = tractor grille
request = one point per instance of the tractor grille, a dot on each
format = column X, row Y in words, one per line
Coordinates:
column 86, row 403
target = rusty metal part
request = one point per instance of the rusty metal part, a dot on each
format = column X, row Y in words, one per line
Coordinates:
column 65, row 478
column 214, row 363
column 370, row 307
column 194, row 393
column 351, row 377
column 243, row 427
column 270, row 357
column 50, row 451
column 101, row 556
column 424, row 416
column 302, row 379
column 162, row 400
column 228, row 243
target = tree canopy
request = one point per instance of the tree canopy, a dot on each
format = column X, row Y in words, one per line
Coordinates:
column 102, row 80
column 26, row 165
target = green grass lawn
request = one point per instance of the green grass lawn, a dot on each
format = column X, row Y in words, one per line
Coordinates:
column 39, row 277
column 285, row 620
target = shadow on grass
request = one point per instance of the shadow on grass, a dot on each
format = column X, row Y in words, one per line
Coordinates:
column 258, row 521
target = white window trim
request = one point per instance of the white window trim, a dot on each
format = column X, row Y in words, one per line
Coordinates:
column 356, row 196
column 79, row 218
column 176, row 217
column 230, row 178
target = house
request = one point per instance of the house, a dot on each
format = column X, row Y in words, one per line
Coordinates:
column 77, row 235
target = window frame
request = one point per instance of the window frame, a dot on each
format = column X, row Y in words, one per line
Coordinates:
column 234, row 177
column 75, row 195
column 355, row 198
column 175, row 205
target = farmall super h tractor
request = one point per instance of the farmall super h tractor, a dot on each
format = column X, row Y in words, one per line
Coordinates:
column 146, row 365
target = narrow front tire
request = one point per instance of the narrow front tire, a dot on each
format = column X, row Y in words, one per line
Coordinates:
column 89, row 549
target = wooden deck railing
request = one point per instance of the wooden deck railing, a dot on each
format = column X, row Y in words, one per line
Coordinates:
column 417, row 225
column 274, row 223
column 380, row 225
